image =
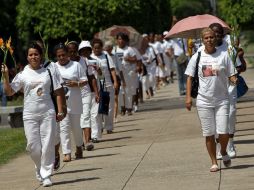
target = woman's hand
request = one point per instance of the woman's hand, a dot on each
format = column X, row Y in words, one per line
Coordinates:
column 97, row 98
column 188, row 103
column 5, row 71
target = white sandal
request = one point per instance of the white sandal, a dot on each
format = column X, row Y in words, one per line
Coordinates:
column 214, row 168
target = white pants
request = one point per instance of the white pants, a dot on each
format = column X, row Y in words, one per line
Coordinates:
column 214, row 120
column 90, row 112
column 108, row 119
column 40, row 134
column 145, row 83
column 232, row 109
column 71, row 123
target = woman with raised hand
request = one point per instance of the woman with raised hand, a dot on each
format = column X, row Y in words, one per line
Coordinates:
column 39, row 113
column 214, row 71
column 74, row 78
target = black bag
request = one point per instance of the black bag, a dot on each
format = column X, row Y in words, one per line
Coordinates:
column 104, row 100
column 195, row 79
column 242, row 87
column 52, row 92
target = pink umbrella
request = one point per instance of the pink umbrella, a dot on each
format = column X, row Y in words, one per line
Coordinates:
column 192, row 26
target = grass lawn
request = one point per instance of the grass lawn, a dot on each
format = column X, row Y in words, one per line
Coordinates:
column 12, row 142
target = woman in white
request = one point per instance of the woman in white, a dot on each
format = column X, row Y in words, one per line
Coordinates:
column 39, row 113
column 74, row 78
column 106, row 72
column 214, row 71
column 85, row 50
column 90, row 95
column 119, row 74
column 129, row 63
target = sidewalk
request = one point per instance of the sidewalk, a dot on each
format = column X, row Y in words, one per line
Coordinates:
column 160, row 147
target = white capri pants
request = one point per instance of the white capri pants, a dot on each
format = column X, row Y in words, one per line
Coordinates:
column 71, row 123
column 90, row 112
column 145, row 83
column 40, row 134
column 214, row 120
column 108, row 119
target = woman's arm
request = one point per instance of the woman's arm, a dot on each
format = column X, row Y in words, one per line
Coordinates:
column 188, row 101
column 113, row 73
column 72, row 83
column 7, row 87
column 61, row 104
column 95, row 88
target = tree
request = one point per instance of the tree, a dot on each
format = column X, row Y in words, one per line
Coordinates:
column 186, row 8
column 59, row 19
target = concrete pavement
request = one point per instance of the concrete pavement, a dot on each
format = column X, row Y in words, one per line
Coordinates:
column 160, row 147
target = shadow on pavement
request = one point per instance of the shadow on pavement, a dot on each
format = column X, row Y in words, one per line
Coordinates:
column 245, row 129
column 239, row 167
column 244, row 114
column 77, row 171
column 123, row 131
column 97, row 156
column 110, row 147
column 249, row 121
column 115, row 139
column 244, row 141
column 246, row 156
column 75, row 180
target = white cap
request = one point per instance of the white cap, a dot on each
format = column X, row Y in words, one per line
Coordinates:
column 165, row 33
column 144, row 35
column 84, row 44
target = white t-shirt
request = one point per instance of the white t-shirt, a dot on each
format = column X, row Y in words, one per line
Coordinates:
column 213, row 71
column 85, row 90
column 72, row 71
column 177, row 45
column 36, row 85
column 53, row 68
column 117, row 63
column 128, row 66
column 148, row 58
column 106, row 72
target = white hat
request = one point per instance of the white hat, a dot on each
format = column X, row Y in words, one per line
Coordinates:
column 84, row 44
column 165, row 33
column 144, row 35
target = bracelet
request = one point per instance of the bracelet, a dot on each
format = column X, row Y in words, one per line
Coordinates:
column 60, row 114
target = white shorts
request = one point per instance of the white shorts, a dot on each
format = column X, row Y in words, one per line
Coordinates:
column 214, row 120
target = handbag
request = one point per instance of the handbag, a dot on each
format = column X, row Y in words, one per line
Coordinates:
column 195, row 79
column 182, row 59
column 104, row 100
column 242, row 87
column 52, row 92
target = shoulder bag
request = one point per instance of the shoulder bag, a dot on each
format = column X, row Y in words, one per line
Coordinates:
column 195, row 79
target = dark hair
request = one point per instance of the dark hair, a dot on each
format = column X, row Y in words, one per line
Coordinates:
column 36, row 46
column 60, row 46
column 217, row 25
column 73, row 43
column 124, row 36
column 97, row 41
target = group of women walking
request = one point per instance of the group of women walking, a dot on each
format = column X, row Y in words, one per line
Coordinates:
column 83, row 69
